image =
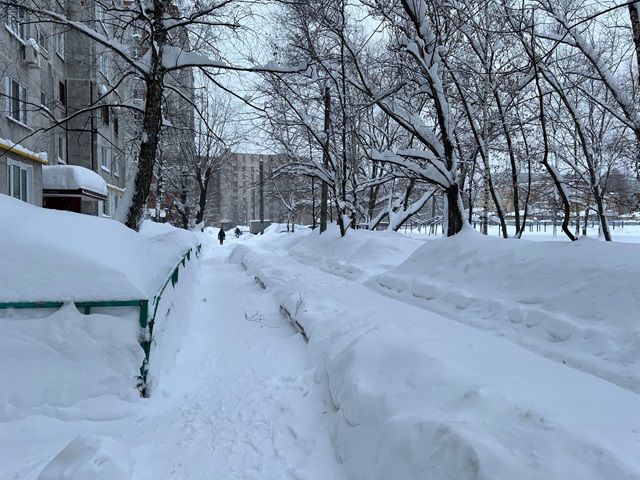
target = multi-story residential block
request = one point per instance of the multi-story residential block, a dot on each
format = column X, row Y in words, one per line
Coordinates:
column 61, row 93
column 98, row 132
column 31, row 65
column 239, row 191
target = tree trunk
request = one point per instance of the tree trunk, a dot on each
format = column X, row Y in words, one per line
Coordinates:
column 455, row 212
column 151, row 125
column 203, row 185
column 324, row 196
column 151, row 135
column 635, row 27
column 512, row 163
column 602, row 218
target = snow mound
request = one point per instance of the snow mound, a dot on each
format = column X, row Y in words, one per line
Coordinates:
column 571, row 301
column 99, row 356
column 61, row 365
column 67, row 252
column 90, row 457
column 357, row 256
column 416, row 395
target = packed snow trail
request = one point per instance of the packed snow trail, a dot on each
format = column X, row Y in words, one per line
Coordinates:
column 246, row 407
column 240, row 403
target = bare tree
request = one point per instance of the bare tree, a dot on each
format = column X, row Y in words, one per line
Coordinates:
column 174, row 39
column 202, row 152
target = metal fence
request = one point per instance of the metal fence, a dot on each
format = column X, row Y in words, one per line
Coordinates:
column 145, row 319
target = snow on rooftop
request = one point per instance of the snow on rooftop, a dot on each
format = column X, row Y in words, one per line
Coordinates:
column 19, row 149
column 72, row 177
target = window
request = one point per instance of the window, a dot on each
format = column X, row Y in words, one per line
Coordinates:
column 62, row 93
column 16, row 101
column 105, row 114
column 20, row 180
column 136, row 51
column 116, row 126
column 116, row 166
column 15, row 21
column 59, row 44
column 42, row 40
column 43, row 101
column 105, row 159
column 62, row 151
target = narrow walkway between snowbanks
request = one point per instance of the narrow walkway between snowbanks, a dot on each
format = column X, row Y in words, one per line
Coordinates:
column 239, row 404
column 421, row 396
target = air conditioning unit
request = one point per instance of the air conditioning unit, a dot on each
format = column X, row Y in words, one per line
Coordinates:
column 31, row 56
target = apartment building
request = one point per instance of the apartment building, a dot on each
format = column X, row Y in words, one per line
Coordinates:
column 239, row 191
column 32, row 66
column 61, row 95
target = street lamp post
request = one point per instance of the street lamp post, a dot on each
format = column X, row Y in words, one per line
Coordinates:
column 261, row 196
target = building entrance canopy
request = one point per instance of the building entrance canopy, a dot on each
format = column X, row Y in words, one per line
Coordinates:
column 73, row 180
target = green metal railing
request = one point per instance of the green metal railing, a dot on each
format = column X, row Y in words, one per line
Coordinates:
column 149, row 324
column 85, row 307
column 146, row 321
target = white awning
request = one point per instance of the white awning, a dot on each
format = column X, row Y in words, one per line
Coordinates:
column 73, row 178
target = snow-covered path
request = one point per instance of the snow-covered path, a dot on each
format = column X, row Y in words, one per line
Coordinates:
column 384, row 389
column 247, row 408
column 240, row 403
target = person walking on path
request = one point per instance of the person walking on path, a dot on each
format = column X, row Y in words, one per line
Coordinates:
column 221, row 236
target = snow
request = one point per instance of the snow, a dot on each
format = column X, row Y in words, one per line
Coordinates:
column 427, row 357
column 175, row 57
column 56, row 256
column 66, row 341
column 416, row 392
column 16, row 147
column 90, row 457
column 72, row 177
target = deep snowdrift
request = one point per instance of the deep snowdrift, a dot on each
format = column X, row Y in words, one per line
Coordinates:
column 64, row 364
column 59, row 365
column 574, row 302
column 409, row 394
column 418, row 395
column 63, row 256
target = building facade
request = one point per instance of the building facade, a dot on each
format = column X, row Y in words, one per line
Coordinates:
column 32, row 65
column 240, row 190
column 61, row 95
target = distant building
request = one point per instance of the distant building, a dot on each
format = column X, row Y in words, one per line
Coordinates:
column 235, row 198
